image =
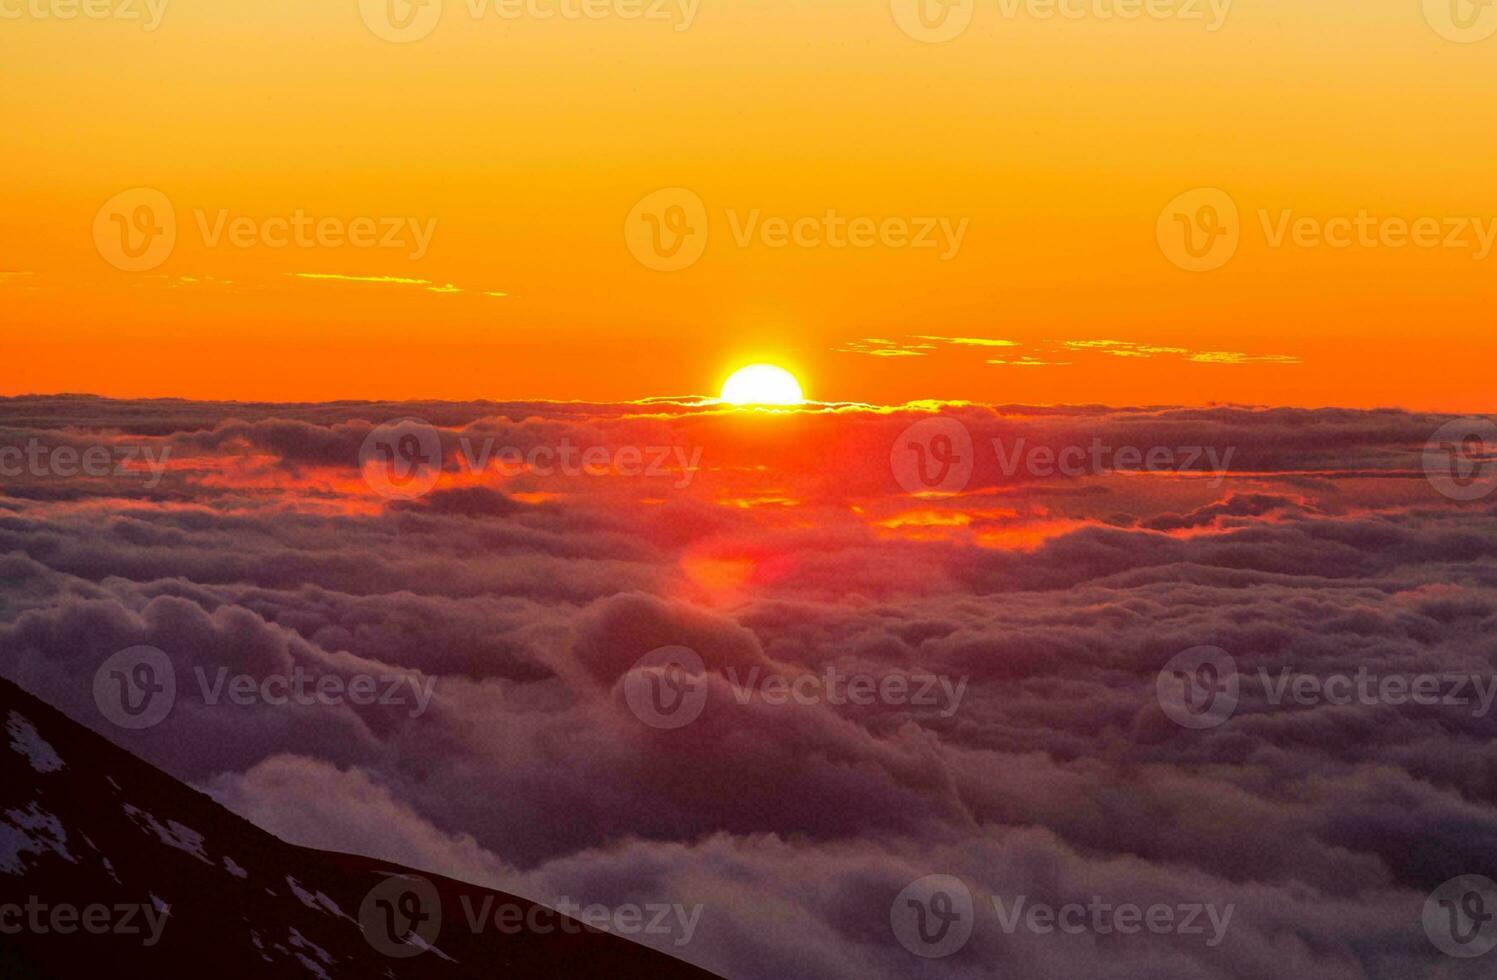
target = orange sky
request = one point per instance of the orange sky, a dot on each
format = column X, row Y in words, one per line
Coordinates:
column 523, row 145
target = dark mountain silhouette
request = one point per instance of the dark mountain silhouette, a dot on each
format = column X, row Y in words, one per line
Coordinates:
column 111, row 868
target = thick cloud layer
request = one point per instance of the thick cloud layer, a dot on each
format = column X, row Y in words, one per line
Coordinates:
column 896, row 683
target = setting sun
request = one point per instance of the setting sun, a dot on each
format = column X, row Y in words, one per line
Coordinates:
column 762, row 384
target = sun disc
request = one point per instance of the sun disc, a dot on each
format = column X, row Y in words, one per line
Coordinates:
column 762, row 384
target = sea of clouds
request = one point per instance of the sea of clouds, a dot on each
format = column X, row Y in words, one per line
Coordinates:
column 252, row 540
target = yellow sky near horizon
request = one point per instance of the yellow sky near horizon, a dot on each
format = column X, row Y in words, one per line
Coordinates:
column 523, row 145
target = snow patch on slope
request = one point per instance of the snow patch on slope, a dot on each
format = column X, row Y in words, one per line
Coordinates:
column 318, row 902
column 172, row 835
column 25, row 740
column 302, row 942
column 33, row 831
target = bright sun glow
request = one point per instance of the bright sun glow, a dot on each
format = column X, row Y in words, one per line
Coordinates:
column 762, row 384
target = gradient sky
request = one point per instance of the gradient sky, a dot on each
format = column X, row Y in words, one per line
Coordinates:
column 528, row 141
